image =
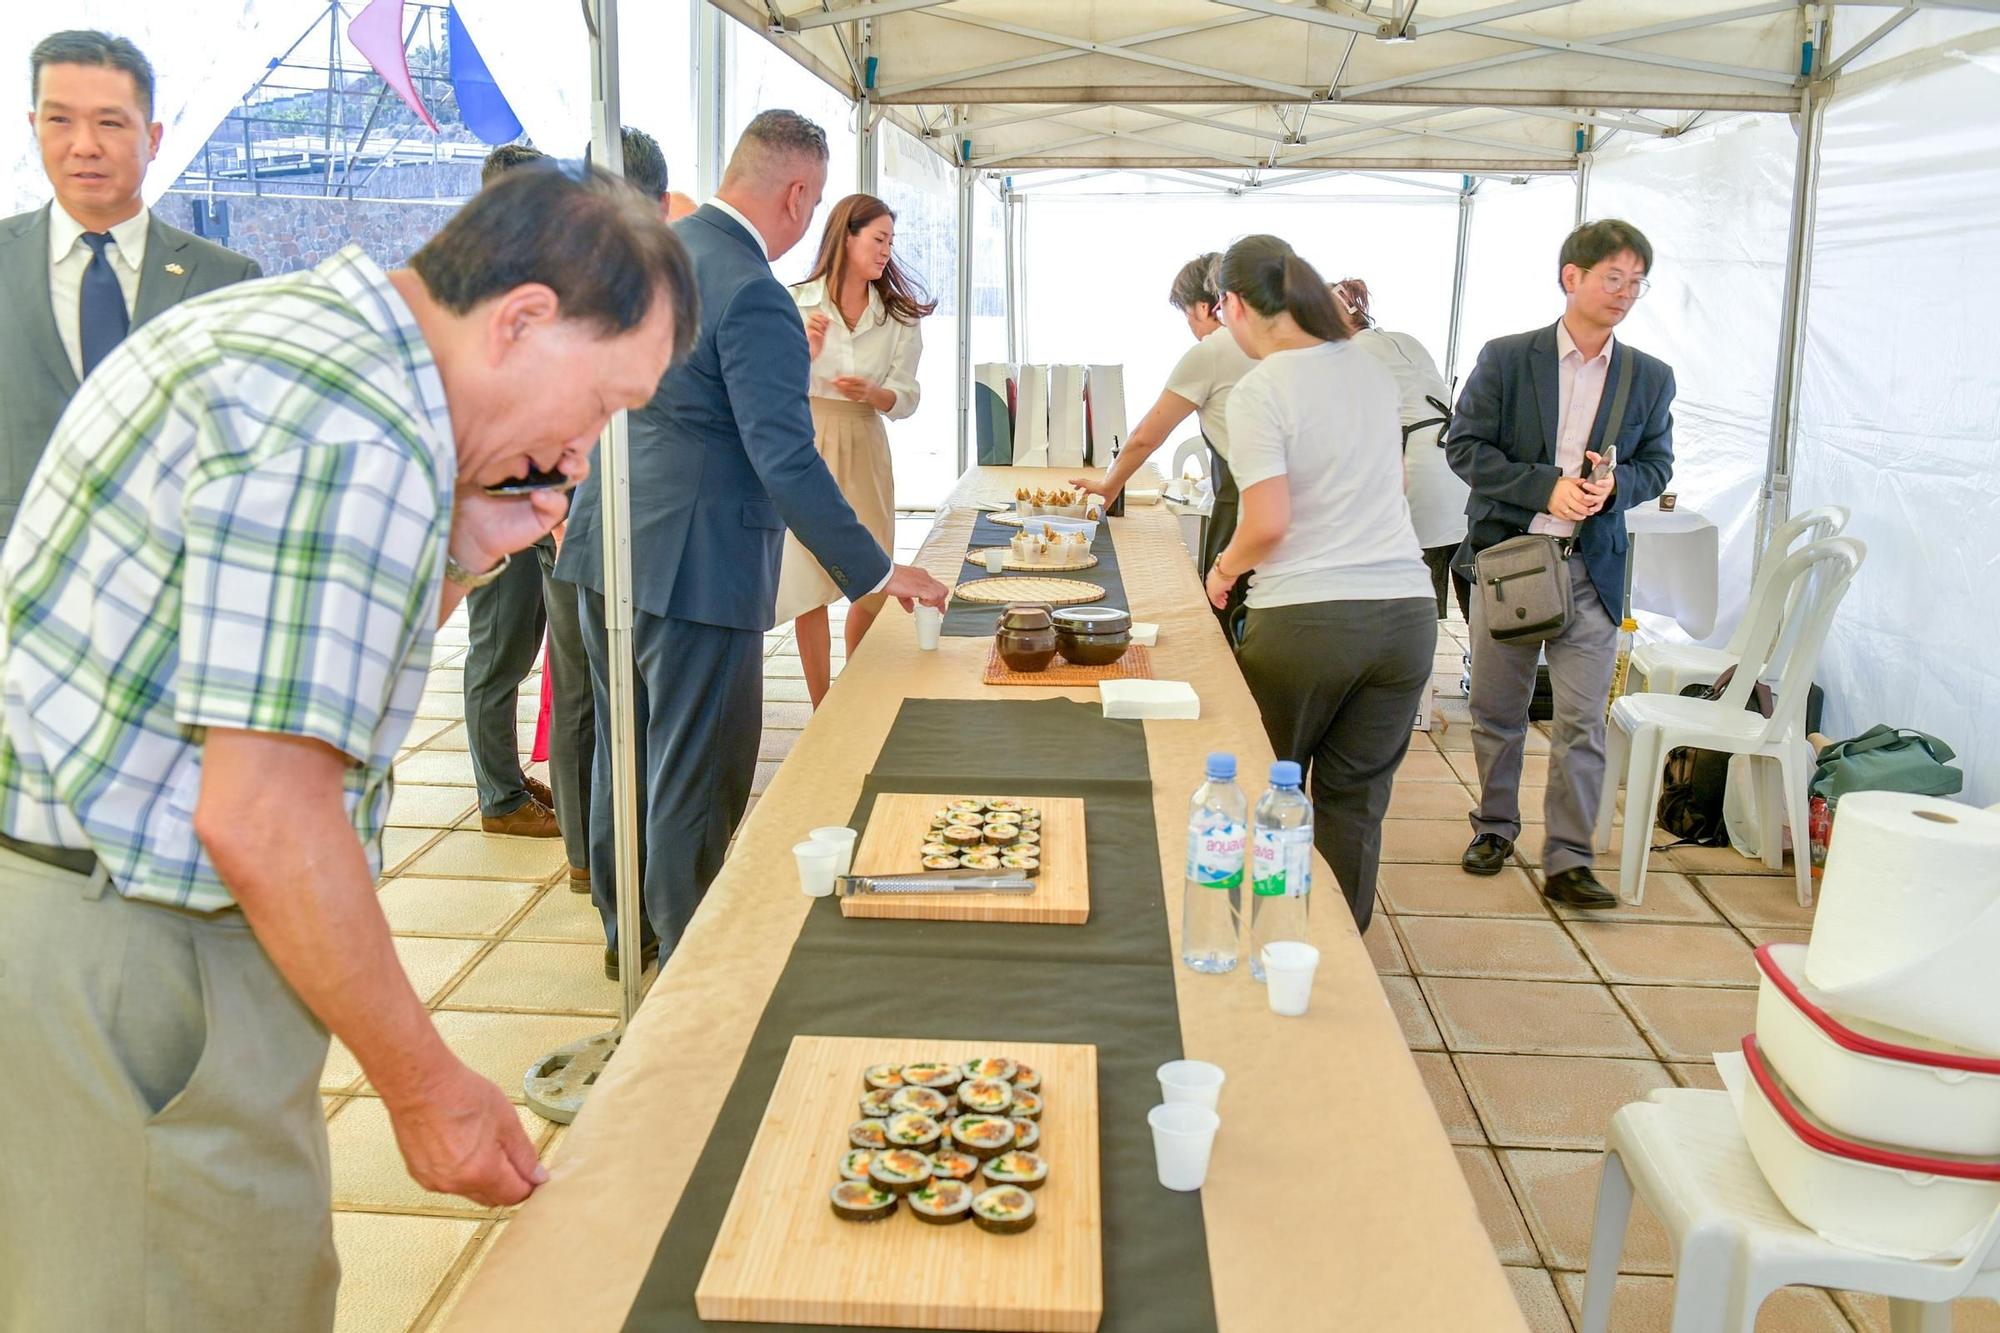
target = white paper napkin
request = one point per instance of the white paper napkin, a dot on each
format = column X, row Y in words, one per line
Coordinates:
column 1145, row 633
column 1170, row 699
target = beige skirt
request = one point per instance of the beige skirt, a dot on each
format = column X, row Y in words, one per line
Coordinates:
column 852, row 440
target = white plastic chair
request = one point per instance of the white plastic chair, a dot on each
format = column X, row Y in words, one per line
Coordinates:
column 1788, row 625
column 1734, row 1243
column 1668, row 668
column 1194, row 447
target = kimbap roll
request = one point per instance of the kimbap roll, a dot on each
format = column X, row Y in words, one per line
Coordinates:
column 983, row 1136
column 1004, row 1210
column 993, row 1066
column 1016, row 1168
column 949, row 1164
column 1031, row 866
column 986, row 1096
column 924, row 1101
column 869, row 1134
column 937, row 862
column 882, row 1076
column 1001, row 805
column 1026, row 1079
column 1027, row 1105
column 899, row 1170
column 858, row 1201
column 979, row 861
column 854, row 1165
column 963, row 836
column 936, row 848
column 1027, row 837
column 1000, row 835
column 942, row 1202
column 910, row 1129
column 967, row 804
column 1027, row 1134
column 932, row 1074
column 876, row 1105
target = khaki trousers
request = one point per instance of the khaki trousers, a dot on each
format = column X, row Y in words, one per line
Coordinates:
column 164, row 1160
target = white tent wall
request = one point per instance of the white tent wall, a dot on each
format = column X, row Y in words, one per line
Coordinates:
column 1715, row 205
column 1510, row 262
column 1900, row 413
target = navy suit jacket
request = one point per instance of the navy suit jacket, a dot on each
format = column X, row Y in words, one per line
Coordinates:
column 1503, row 443
column 723, row 459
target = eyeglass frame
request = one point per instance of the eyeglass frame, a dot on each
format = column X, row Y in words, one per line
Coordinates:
column 1640, row 284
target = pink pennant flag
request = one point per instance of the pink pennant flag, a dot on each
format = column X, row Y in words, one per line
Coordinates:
column 377, row 32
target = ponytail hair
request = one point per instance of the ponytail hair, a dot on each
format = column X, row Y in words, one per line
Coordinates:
column 1270, row 278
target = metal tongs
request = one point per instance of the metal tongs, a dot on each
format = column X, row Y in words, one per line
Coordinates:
column 933, row 881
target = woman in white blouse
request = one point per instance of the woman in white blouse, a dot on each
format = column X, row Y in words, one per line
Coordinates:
column 861, row 312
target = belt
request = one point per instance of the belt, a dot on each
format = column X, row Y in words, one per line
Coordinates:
column 75, row 860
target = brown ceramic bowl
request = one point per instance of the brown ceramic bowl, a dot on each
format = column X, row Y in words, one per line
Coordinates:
column 1026, row 637
column 1092, row 635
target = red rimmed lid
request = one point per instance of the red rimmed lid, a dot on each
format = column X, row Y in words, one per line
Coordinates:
column 1860, row 1043
column 1817, row 1137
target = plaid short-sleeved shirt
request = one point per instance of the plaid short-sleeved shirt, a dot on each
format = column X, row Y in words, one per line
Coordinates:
column 240, row 522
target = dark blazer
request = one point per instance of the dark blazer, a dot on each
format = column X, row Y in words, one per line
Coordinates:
column 723, row 460
column 36, row 379
column 1503, row 443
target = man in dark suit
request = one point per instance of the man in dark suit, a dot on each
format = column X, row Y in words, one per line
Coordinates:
column 722, row 463
column 1527, row 432
column 79, row 273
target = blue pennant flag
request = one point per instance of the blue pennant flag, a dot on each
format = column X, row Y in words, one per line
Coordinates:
column 481, row 104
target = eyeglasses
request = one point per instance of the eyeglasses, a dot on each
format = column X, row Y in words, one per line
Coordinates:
column 1614, row 283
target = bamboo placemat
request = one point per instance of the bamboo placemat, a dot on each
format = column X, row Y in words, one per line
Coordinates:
column 1009, row 588
column 1137, row 664
column 1089, row 561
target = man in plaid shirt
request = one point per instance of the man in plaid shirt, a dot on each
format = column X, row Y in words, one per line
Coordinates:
column 217, row 607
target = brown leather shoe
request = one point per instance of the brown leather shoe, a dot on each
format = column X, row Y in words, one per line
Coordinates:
column 530, row 819
column 579, row 879
column 540, row 791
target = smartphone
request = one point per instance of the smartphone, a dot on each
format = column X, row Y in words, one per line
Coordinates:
column 536, row 480
column 1602, row 472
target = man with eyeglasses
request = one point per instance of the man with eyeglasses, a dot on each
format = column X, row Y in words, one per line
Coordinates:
column 1529, row 434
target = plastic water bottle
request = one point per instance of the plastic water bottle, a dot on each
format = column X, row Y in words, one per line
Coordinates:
column 1212, row 901
column 1281, row 857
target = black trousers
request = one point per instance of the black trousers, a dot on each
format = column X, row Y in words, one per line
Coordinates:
column 699, row 701
column 1338, row 685
column 1443, row 576
column 1216, row 530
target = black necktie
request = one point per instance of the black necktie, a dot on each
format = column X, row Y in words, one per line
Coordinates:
column 101, row 306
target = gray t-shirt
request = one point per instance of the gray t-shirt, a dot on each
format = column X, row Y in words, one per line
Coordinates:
column 1204, row 377
column 1324, row 418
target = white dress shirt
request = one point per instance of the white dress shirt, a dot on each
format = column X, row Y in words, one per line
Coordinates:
column 763, row 246
column 69, row 257
column 879, row 349
column 1580, row 386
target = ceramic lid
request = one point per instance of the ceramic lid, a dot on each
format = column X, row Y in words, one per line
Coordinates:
column 1094, row 620
column 1026, row 615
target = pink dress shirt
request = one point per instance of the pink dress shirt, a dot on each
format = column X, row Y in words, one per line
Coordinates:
column 1580, row 386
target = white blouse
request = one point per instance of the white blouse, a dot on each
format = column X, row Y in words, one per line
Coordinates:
column 878, row 348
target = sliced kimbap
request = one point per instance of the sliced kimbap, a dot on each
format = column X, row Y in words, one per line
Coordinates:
column 969, row 803
column 912, row 1129
column 950, row 1164
column 1027, row 1105
column 1001, row 805
column 987, row 1096
column 983, row 1136
column 882, row 1076
column 1016, row 1168
column 1000, row 835
column 1004, row 1210
column 936, row 848
column 935, row 861
column 854, row 1164
column 932, row 1074
column 1026, row 1079
column 1027, row 837
column 899, row 1170
column 869, row 1133
column 942, row 1202
column 963, row 836
column 876, row 1105
column 993, row 1066
column 979, row 861
column 1027, row 1134
column 1028, row 865
column 924, row 1101
column 858, row 1201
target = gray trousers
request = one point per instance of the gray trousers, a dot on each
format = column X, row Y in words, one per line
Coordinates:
column 166, row 1159
column 505, row 623
column 1503, row 682
column 1338, row 685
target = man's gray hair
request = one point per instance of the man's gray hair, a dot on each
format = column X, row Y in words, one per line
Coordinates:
column 770, row 139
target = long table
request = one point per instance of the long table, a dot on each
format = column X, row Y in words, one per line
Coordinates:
column 1333, row 1198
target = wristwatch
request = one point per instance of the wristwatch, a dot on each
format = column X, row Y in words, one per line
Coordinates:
column 465, row 578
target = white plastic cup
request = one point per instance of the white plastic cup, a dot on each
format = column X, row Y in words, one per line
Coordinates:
column 1190, row 1083
column 930, row 624
column 818, row 862
column 1183, row 1135
column 1288, row 973
column 996, row 560
column 837, row 836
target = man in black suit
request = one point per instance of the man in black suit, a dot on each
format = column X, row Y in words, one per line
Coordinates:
column 80, row 272
column 723, row 462
column 1528, row 429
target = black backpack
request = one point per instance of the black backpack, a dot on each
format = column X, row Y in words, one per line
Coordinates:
column 1693, row 781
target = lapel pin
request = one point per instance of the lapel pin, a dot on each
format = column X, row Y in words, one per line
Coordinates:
column 176, row 270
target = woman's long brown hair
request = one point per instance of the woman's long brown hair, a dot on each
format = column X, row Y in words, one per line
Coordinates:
column 903, row 298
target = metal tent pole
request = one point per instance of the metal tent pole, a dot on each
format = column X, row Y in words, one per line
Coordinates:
column 1584, row 156
column 967, row 182
column 711, row 59
column 1774, row 501
column 557, row 1084
column 867, row 166
column 1008, row 206
column 1458, row 279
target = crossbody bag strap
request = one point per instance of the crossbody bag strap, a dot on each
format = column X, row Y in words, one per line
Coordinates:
column 1615, row 421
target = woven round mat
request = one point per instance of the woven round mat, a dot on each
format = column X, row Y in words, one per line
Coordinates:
column 1089, row 561
column 1008, row 588
column 1014, row 519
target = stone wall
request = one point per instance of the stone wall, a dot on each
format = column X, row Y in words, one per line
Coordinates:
column 288, row 232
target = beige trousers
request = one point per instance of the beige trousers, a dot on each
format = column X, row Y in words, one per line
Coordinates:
column 163, row 1162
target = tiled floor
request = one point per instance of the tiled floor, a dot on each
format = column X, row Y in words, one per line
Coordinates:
column 1530, row 1025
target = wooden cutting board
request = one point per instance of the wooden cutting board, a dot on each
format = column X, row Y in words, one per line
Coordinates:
column 781, row 1256
column 893, row 844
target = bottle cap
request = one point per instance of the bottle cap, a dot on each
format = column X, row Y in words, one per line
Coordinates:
column 1222, row 767
column 1285, row 773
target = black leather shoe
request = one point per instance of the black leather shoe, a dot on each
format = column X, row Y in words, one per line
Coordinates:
column 1577, row 887
column 1487, row 855
column 647, row 954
